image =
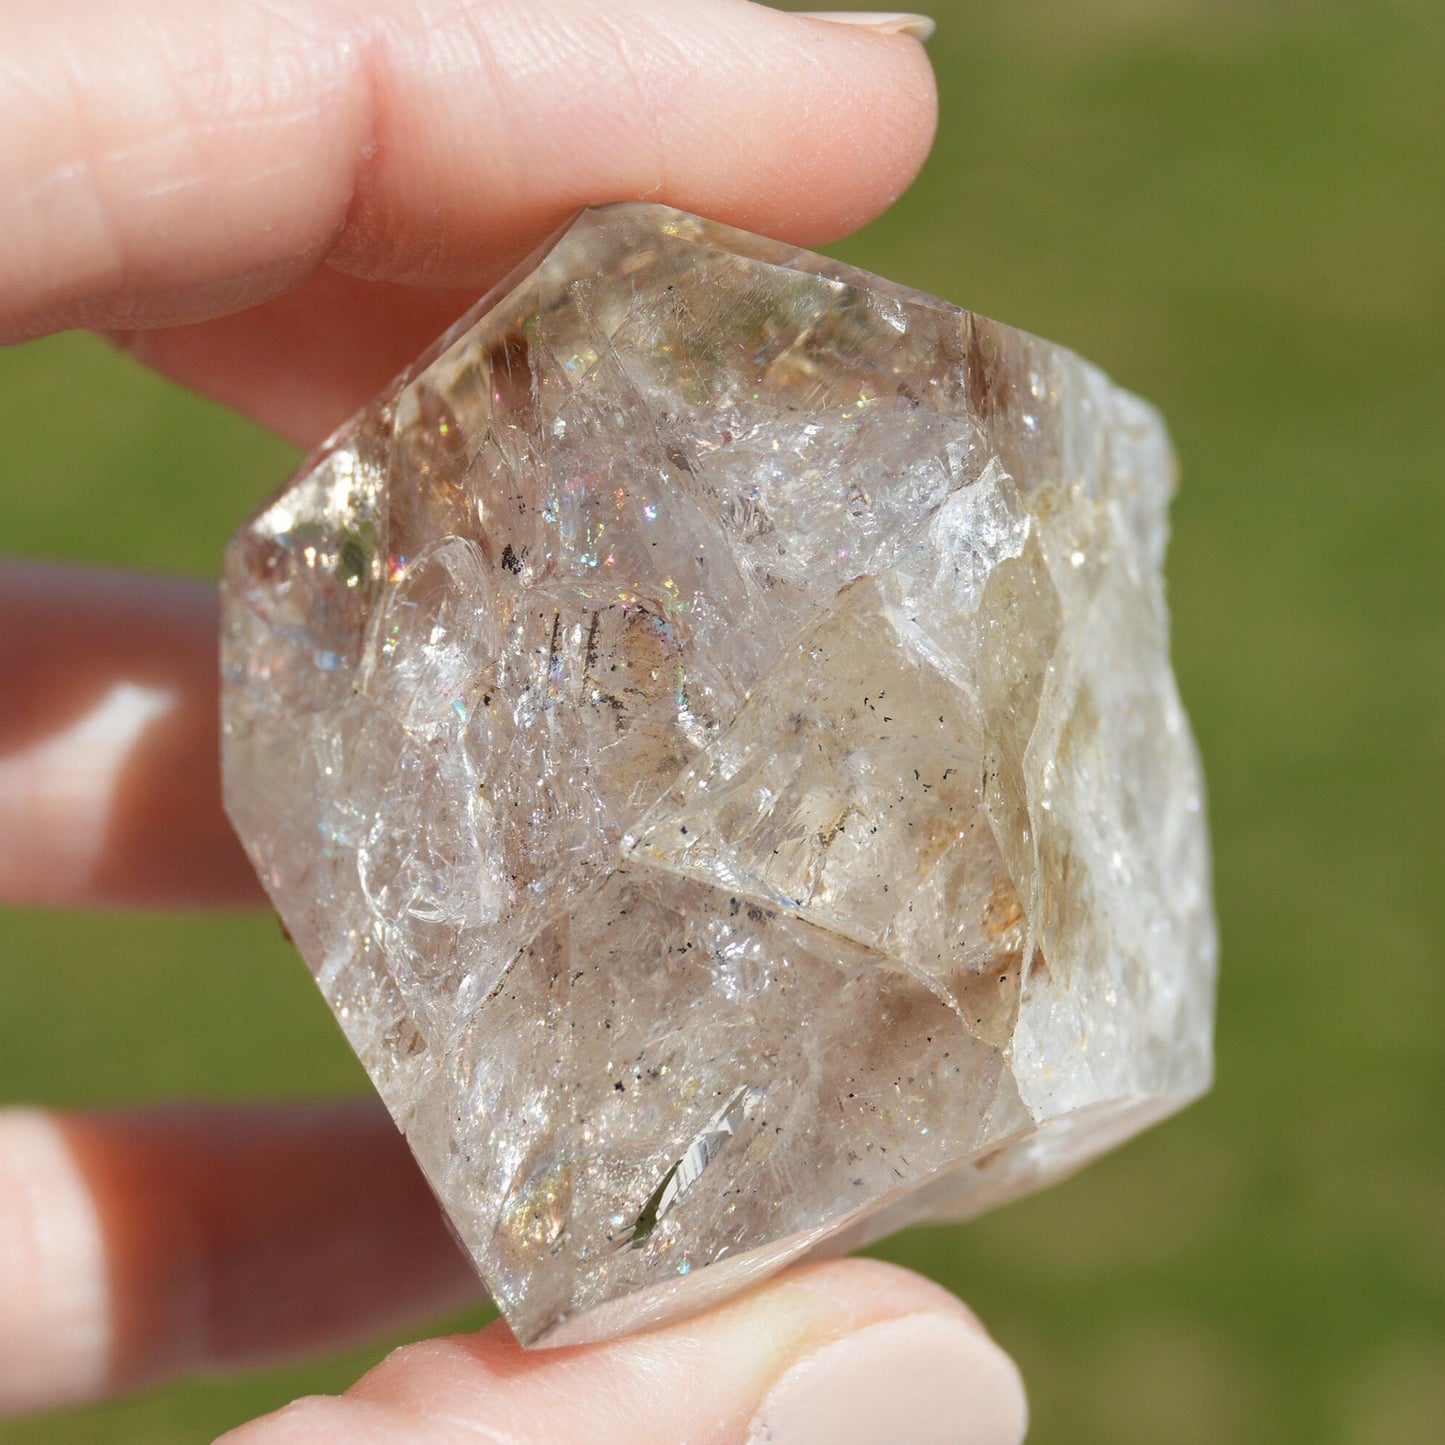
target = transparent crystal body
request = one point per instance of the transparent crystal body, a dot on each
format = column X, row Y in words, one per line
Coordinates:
column 709, row 730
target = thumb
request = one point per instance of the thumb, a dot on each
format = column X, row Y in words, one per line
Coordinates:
column 166, row 162
column 848, row 1352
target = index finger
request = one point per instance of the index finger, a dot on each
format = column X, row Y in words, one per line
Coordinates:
column 164, row 162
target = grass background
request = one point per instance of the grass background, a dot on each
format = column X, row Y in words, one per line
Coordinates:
column 1236, row 209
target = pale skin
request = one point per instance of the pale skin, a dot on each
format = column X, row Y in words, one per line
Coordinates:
column 277, row 203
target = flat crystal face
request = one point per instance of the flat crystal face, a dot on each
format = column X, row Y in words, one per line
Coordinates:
column 709, row 730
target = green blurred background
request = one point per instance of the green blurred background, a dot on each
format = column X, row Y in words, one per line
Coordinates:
column 1237, row 209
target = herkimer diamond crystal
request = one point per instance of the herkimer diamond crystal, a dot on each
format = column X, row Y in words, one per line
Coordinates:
column 709, row 729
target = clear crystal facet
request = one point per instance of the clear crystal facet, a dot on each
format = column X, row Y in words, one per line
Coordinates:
column 709, row 729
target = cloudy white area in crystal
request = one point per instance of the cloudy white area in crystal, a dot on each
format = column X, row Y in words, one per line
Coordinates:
column 709, row 729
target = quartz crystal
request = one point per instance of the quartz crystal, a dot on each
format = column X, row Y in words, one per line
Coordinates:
column 709, row 729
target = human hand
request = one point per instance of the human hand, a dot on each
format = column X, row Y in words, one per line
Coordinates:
column 278, row 202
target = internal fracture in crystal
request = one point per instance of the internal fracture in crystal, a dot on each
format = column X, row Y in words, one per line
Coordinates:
column 709, row 729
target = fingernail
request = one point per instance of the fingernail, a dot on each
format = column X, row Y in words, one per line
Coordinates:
column 920, row 27
column 927, row 1379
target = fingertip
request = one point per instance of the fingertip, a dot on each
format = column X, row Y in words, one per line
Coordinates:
column 880, row 1354
column 862, row 103
column 753, row 116
column 931, row 1379
column 848, row 1352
